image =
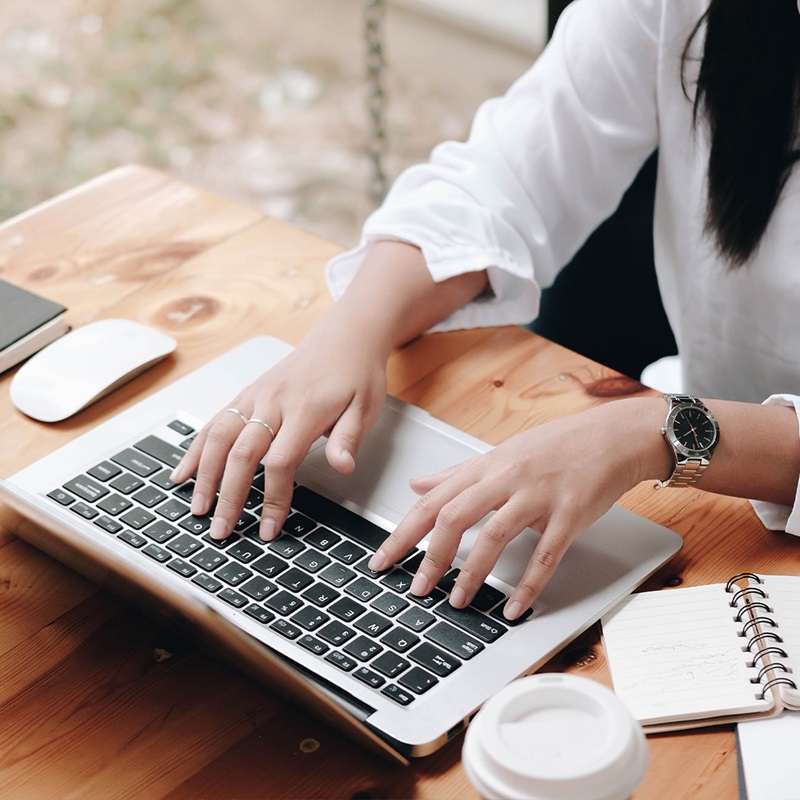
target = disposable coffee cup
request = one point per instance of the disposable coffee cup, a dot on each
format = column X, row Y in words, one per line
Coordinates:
column 555, row 737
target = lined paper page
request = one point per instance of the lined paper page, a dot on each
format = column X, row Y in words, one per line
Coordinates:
column 676, row 655
column 783, row 595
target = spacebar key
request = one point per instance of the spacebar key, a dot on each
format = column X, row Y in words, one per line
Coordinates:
column 338, row 517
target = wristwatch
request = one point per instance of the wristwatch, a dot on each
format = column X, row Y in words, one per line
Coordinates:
column 692, row 432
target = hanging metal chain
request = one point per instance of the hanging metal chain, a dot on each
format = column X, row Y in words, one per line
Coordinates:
column 376, row 97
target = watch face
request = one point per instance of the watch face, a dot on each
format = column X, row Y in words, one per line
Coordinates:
column 694, row 430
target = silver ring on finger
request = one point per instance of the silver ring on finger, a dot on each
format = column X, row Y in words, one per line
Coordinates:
column 238, row 413
column 263, row 424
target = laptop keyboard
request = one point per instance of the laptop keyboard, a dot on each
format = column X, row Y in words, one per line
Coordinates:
column 311, row 585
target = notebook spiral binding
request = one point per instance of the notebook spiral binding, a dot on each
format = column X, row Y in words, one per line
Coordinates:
column 750, row 603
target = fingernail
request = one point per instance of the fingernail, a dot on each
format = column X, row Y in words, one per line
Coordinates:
column 379, row 561
column 458, row 597
column 219, row 528
column 513, row 610
column 267, row 531
column 421, row 585
column 198, row 504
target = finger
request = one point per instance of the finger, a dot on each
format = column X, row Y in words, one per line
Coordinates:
column 346, row 436
column 543, row 563
column 221, row 433
column 254, row 440
column 425, row 483
column 504, row 525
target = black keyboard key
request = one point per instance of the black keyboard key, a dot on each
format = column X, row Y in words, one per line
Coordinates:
column 389, row 603
column 108, row 525
column 310, row 618
column 207, row 582
column 136, row 462
column 86, row 488
column 127, row 483
column 397, row 694
column 348, row 552
column 184, row 545
column 400, row 640
column 294, row 579
column 397, row 579
column 418, row 680
column 114, row 504
column 180, row 427
column 220, row 544
column 320, row 594
column 233, row 598
column 163, row 480
column 270, row 565
column 133, row 539
column 232, row 573
column 285, row 628
column 253, row 500
column 369, row 677
column 322, row 538
column 172, row 510
column 313, row 644
column 181, row 567
column 412, row 561
column 498, row 615
column 337, row 575
column 487, row 597
column 149, row 496
column 196, row 525
column 104, row 471
column 362, row 648
column 338, row 517
column 472, row 621
column 417, row 619
column 245, row 551
column 364, row 569
column 286, row 546
column 256, row 611
column 208, row 559
column 161, row 531
column 461, row 644
column 258, row 588
column 157, row 553
column 312, row 560
column 346, row 609
column 336, row 633
column 284, row 603
column 83, row 510
column 339, row 659
column 428, row 600
column 137, row 518
column 61, row 497
column 244, row 523
column 363, row 589
column 184, row 492
column 298, row 524
column 448, row 580
column 432, row 658
column 390, row 664
column 373, row 624
column 160, row 450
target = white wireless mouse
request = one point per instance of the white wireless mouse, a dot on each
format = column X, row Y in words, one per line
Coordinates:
column 84, row 365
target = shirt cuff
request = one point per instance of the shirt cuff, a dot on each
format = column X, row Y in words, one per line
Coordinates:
column 778, row 517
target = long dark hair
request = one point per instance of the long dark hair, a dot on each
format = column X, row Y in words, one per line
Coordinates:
column 748, row 91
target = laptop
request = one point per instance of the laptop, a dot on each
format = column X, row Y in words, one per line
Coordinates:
column 399, row 673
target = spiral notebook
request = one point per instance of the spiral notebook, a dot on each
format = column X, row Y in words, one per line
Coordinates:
column 707, row 655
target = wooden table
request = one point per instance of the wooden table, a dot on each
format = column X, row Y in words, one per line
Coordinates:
column 97, row 700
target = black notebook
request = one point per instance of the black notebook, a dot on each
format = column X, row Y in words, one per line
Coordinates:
column 28, row 322
column 707, row 655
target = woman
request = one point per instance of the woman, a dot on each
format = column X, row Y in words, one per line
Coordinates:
column 469, row 238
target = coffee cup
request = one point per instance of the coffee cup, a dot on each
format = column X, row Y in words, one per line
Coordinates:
column 555, row 737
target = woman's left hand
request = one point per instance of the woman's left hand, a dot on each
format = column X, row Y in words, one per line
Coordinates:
column 557, row 478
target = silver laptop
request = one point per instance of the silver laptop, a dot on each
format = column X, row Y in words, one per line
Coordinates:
column 304, row 613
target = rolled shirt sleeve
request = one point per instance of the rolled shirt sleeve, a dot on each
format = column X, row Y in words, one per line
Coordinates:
column 777, row 517
column 542, row 167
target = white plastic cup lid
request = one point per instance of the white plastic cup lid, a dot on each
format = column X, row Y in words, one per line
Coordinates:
column 555, row 737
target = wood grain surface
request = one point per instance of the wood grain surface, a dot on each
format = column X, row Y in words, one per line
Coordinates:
column 99, row 701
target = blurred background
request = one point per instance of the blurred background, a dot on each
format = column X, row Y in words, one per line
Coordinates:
column 299, row 108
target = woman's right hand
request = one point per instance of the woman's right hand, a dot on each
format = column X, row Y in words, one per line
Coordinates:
column 333, row 383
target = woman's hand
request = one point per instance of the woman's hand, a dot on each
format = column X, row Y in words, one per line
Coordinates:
column 557, row 478
column 281, row 415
